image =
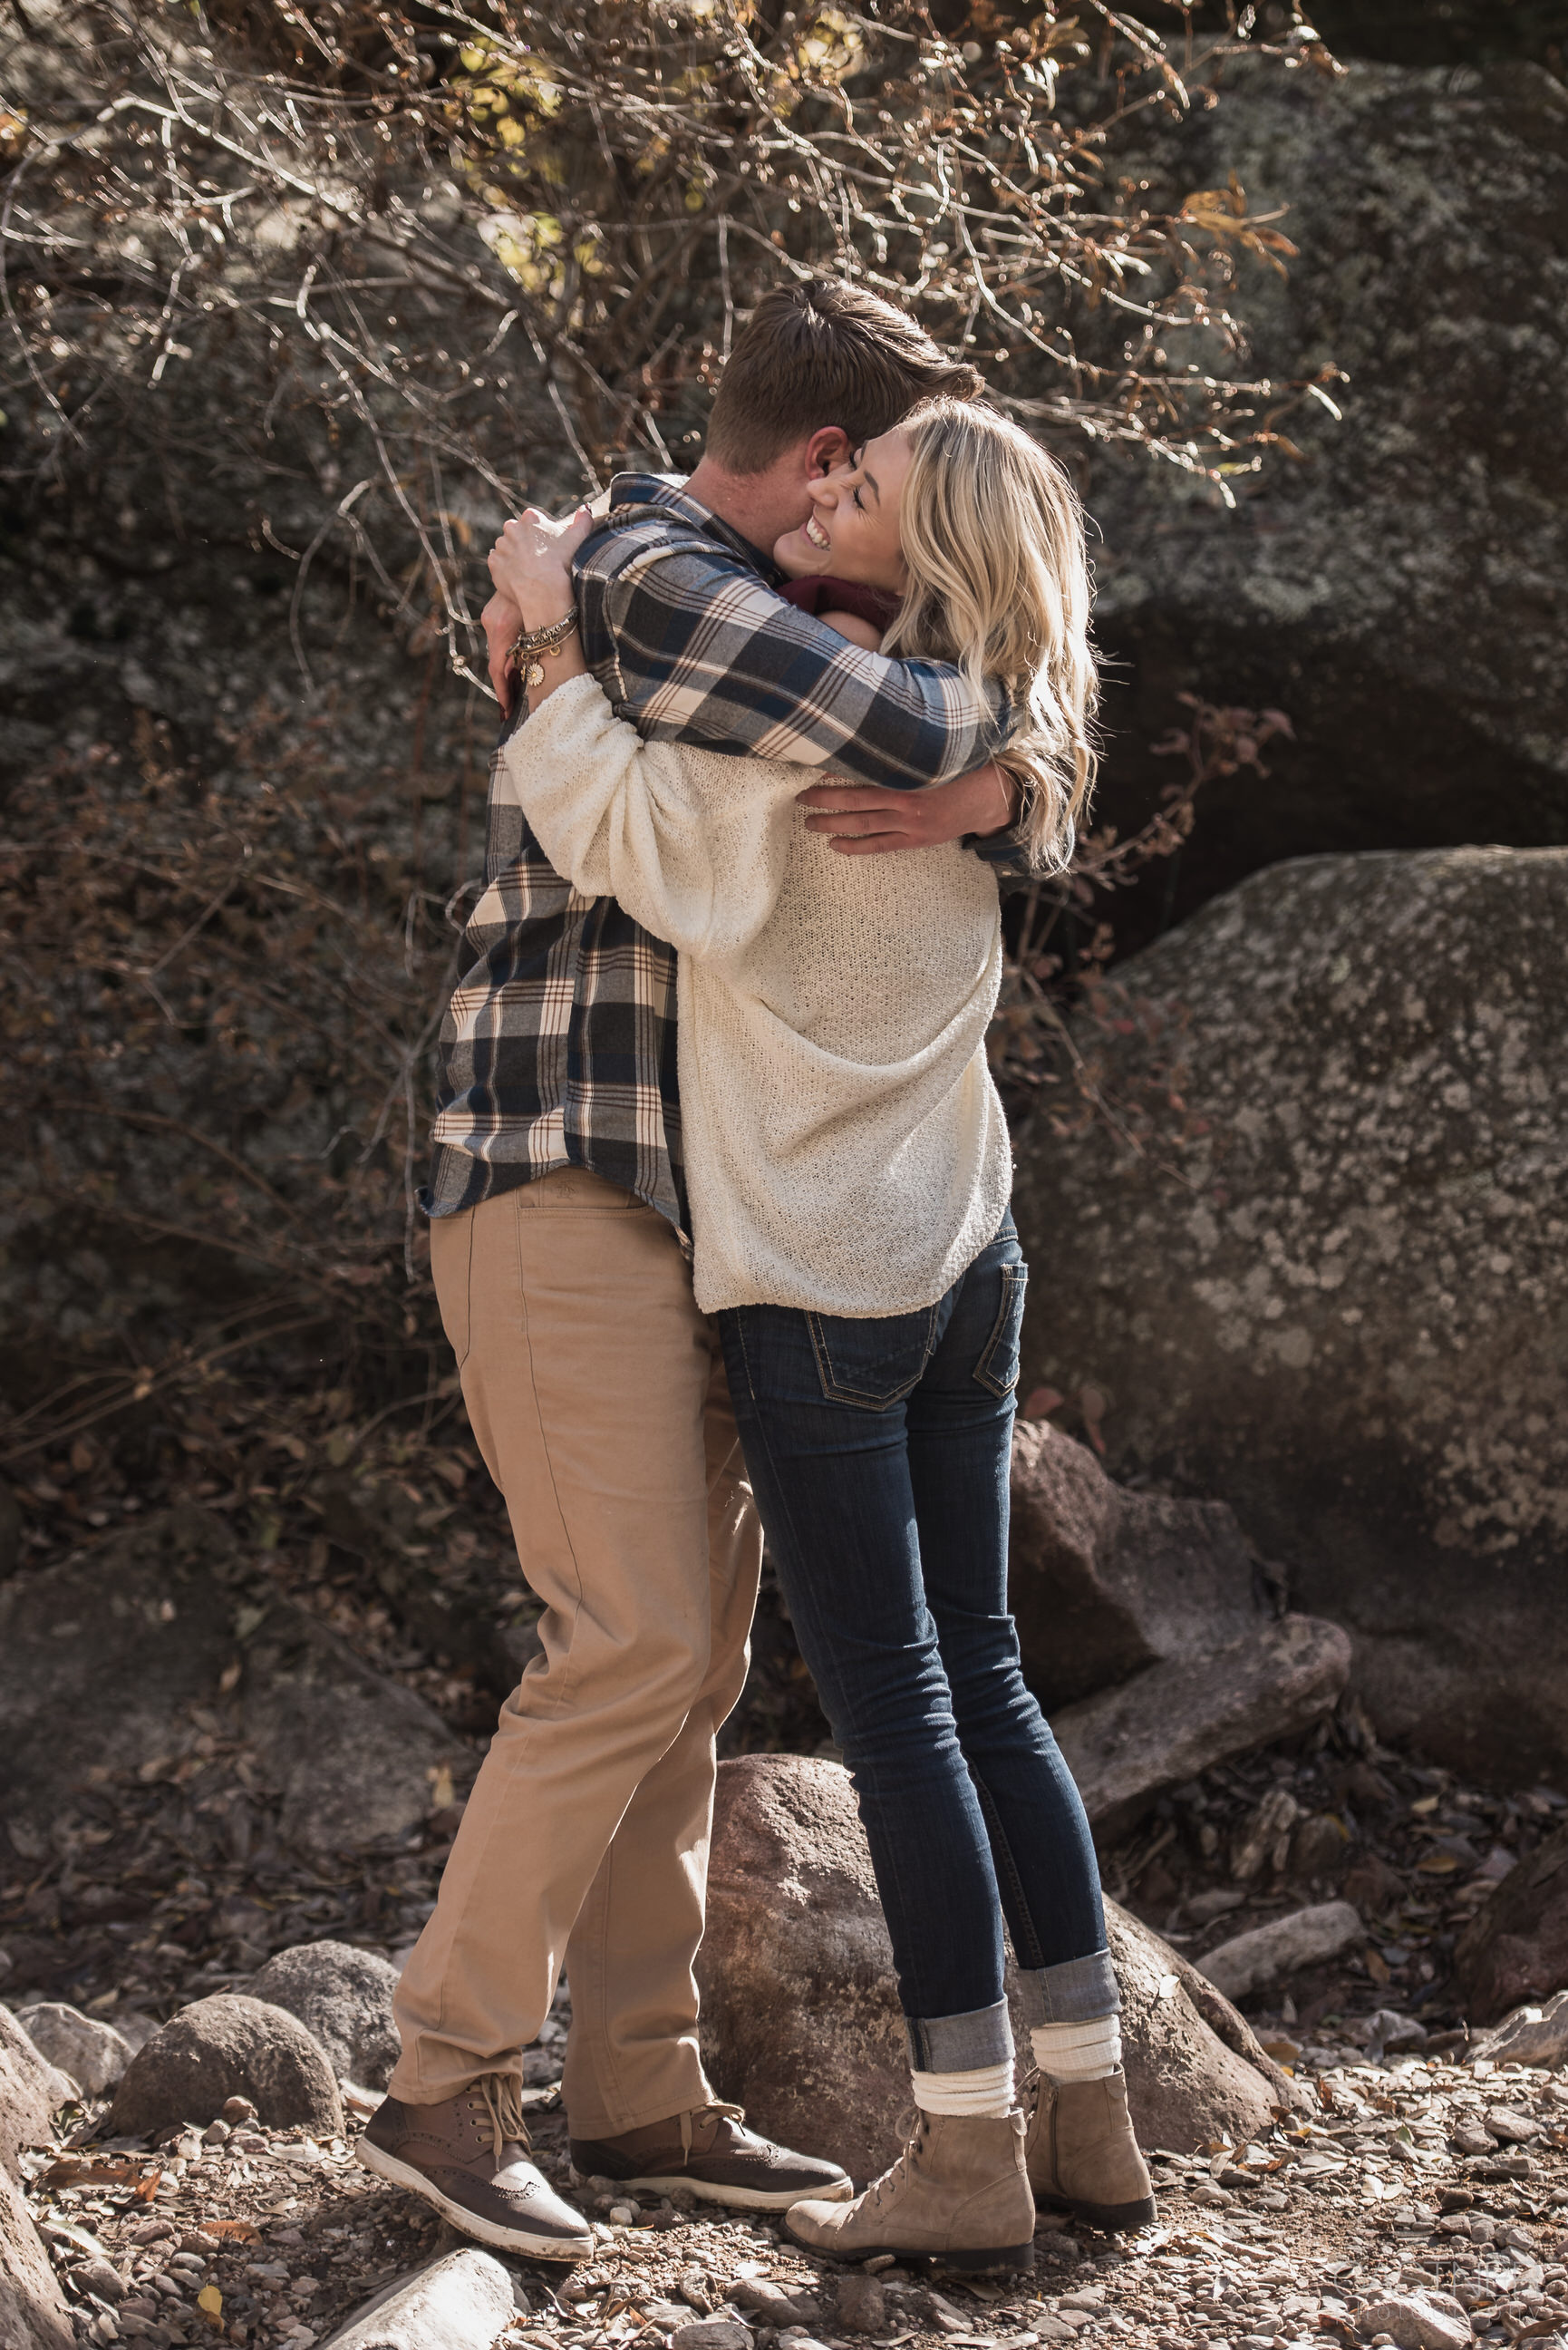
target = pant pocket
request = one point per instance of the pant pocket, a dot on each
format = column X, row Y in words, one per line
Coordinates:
column 872, row 1364
column 997, row 1368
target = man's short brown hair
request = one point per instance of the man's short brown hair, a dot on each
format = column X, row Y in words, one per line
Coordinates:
column 823, row 353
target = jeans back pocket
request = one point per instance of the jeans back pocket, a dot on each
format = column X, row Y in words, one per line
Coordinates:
column 872, row 1364
column 998, row 1366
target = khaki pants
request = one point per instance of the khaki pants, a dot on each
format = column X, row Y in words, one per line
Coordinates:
column 597, row 1393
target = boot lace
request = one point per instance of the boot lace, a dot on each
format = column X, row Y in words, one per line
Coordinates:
column 897, row 2171
column 719, row 2111
column 501, row 2096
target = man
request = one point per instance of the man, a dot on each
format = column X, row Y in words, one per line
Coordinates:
column 595, row 1387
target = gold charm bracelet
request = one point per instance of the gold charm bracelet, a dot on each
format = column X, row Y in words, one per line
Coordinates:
column 526, row 648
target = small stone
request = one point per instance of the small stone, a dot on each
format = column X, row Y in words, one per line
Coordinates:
column 102, row 2278
column 1469, row 2138
column 860, row 2306
column 460, row 2303
column 712, row 2334
column 1305, row 1937
column 1513, row 2128
column 1530, row 2036
column 623, row 2214
column 93, row 2054
column 1413, row 2323
column 237, row 2109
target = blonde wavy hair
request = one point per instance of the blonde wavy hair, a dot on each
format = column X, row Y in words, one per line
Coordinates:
column 992, row 536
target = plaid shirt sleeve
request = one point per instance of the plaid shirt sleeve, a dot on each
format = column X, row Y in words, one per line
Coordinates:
column 693, row 647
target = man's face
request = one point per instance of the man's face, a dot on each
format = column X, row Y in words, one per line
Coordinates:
column 852, row 529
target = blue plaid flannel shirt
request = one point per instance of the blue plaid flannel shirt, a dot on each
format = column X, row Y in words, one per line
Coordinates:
column 558, row 1046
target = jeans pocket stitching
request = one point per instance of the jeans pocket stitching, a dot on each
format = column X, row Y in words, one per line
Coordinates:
column 1014, row 1280
column 836, row 1390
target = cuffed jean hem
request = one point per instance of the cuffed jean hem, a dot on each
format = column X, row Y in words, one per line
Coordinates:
column 1080, row 1990
column 961, row 2044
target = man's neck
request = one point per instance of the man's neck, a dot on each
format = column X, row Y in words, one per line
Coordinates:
column 756, row 504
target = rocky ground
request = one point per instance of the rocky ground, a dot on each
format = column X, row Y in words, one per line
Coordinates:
column 1418, row 2180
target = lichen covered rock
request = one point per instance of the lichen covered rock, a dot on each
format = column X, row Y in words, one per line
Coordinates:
column 1339, row 1302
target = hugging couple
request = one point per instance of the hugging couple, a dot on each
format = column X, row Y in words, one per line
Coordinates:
column 719, row 1209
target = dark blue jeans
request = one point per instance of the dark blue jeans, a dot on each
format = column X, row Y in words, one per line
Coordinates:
column 879, row 1453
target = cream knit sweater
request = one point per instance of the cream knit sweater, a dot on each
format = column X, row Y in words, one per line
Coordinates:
column 844, row 1149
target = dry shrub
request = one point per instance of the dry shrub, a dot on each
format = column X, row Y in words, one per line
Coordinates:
column 345, row 281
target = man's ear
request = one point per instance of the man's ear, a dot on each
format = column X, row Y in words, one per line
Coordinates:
column 827, row 448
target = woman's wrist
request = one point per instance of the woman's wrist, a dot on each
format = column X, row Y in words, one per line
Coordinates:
column 541, row 602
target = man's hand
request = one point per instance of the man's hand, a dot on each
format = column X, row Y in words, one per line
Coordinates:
column 500, row 622
column 864, row 820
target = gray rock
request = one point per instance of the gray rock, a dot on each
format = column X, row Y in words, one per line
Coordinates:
column 1103, row 1582
column 1531, row 2035
column 31, row 2091
column 1177, row 1719
column 860, row 2305
column 93, row 2054
column 1304, row 1939
column 1345, row 1314
column 459, row 2303
column 801, row 2021
column 1516, row 1949
column 1343, row 590
column 33, row 2311
column 344, row 1998
column 773, row 2304
column 159, row 1615
column 712, row 2334
column 1413, row 2323
column 224, row 2047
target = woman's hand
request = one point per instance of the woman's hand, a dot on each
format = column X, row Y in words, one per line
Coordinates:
column 531, row 563
column 866, row 819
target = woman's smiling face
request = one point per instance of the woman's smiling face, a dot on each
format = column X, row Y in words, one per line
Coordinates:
column 852, row 530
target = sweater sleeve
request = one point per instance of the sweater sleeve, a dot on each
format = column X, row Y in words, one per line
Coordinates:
column 693, row 848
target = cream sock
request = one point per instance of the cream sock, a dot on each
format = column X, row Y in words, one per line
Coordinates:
column 986, row 2090
column 1078, row 2051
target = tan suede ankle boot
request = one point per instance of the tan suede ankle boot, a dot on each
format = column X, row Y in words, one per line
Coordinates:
column 959, row 2193
column 1082, row 2153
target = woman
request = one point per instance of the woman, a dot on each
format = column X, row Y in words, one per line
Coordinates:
column 849, row 1171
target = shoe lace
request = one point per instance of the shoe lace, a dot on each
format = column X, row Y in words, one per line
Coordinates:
column 501, row 2096
column 720, row 2111
column 895, row 2172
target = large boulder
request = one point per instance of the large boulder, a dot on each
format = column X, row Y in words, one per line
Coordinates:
column 34, row 2314
column 1150, row 1631
column 1333, row 1289
column 344, row 1998
column 1399, row 593
column 223, row 2047
column 120, row 1642
column 800, row 2021
column 1517, row 1948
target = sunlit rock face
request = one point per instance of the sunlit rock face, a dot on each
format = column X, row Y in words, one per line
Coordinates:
column 1330, row 1286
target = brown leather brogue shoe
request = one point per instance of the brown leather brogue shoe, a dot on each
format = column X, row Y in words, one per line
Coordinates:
column 712, row 2154
column 958, row 2194
column 1082, row 2154
column 469, row 2158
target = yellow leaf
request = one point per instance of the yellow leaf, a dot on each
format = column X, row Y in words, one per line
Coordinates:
column 1437, row 1864
column 210, row 2300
